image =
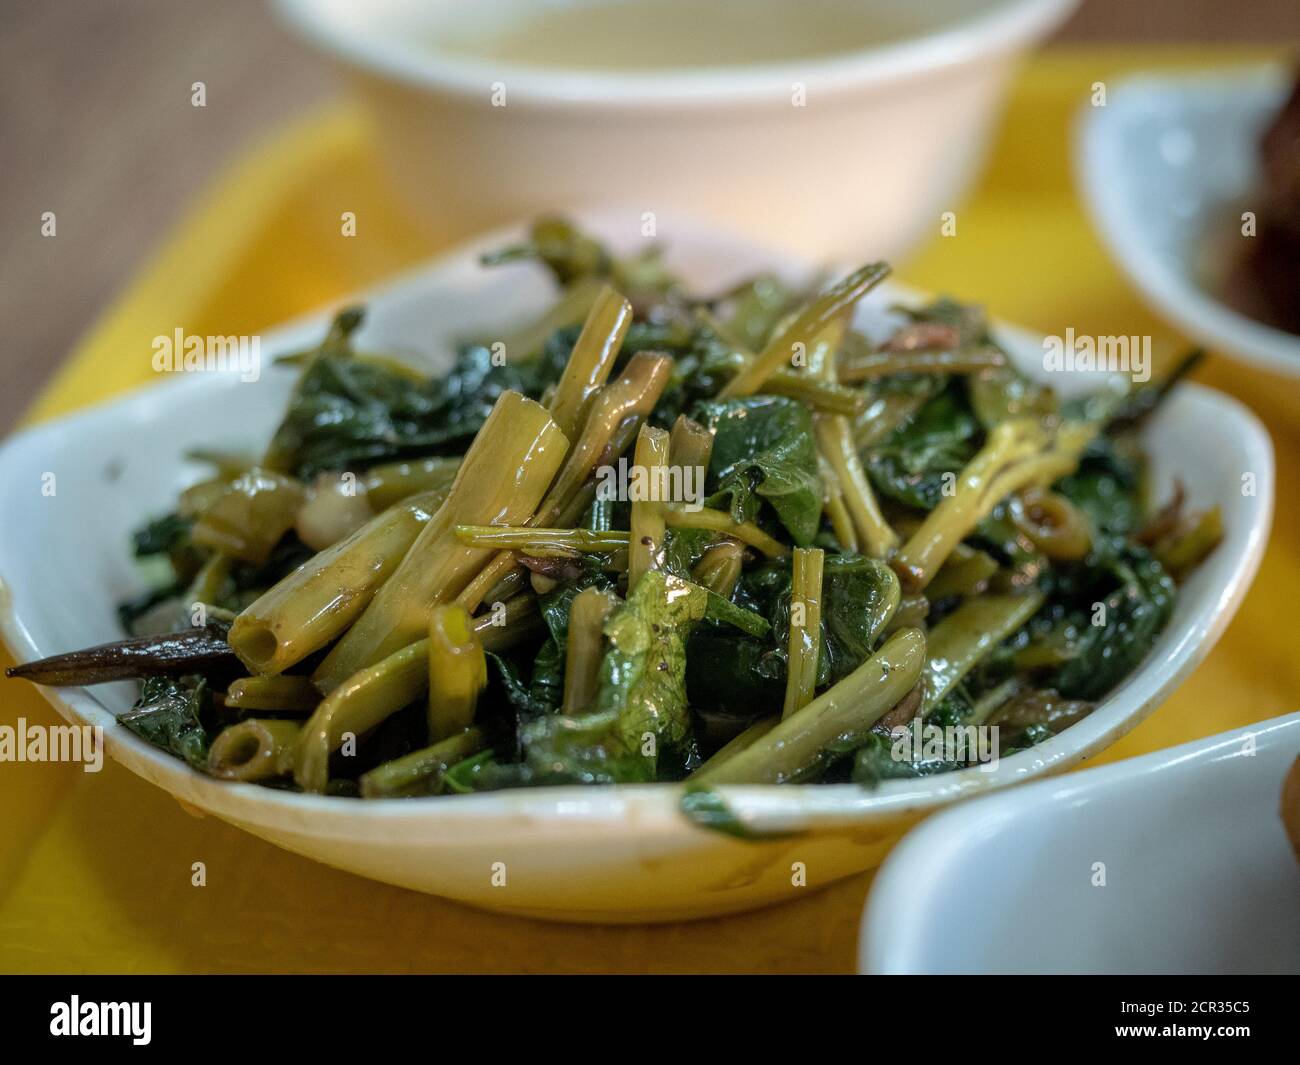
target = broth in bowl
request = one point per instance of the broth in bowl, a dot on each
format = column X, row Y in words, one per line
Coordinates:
column 675, row 34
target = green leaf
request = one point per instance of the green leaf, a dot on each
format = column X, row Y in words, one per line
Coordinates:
column 556, row 604
column 859, row 598
column 1107, row 487
column 911, row 464
column 543, row 693
column 763, row 449
column 749, row 622
column 161, row 535
column 1022, row 741
column 704, row 807
column 734, row 673
column 582, row 749
column 547, row 684
column 1003, row 393
column 170, row 716
column 1138, row 597
column 529, row 700
column 642, row 697
column 643, row 674
column 742, row 674
column 348, row 413
column 875, row 762
column 566, row 251
column 683, row 548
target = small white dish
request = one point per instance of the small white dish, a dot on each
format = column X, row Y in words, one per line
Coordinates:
column 607, row 854
column 847, row 155
column 1198, row 874
column 1164, row 165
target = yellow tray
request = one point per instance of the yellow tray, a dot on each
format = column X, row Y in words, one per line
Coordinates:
column 95, row 870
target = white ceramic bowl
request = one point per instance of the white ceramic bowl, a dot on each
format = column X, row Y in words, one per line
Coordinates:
column 1199, row 876
column 889, row 138
column 610, row 854
column 1168, row 163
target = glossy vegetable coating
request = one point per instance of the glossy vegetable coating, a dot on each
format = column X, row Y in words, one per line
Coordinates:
column 653, row 536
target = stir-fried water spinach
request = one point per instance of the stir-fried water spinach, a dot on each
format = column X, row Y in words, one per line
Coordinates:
column 667, row 537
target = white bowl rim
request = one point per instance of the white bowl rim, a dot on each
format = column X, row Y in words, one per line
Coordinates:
column 1179, row 300
column 760, row 808
column 924, row 857
column 1011, row 25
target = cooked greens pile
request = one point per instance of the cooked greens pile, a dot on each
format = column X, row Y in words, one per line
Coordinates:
column 651, row 537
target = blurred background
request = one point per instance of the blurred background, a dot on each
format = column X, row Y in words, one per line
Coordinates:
column 97, row 125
